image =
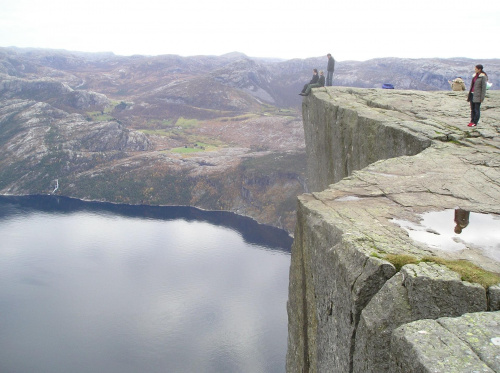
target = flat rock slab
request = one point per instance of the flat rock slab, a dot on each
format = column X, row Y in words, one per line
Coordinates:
column 460, row 169
column 470, row 343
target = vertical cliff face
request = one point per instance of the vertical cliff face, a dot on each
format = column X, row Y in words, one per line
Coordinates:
column 358, row 280
column 344, row 138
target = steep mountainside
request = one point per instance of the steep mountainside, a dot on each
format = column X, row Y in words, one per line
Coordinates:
column 58, row 94
column 152, row 130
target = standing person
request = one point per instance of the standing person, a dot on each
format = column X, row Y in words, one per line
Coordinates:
column 313, row 81
column 330, row 68
column 320, row 83
column 476, row 94
column 457, row 84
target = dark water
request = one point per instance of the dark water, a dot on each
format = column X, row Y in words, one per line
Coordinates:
column 92, row 287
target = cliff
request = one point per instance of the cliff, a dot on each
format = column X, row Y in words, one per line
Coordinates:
column 213, row 132
column 380, row 280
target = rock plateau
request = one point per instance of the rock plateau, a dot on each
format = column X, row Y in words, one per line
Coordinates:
column 377, row 158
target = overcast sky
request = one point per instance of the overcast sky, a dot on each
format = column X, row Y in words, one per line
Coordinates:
column 349, row 29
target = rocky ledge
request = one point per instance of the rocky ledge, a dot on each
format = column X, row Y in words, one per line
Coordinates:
column 370, row 258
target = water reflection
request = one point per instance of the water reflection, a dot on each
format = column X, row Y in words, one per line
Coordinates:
column 91, row 290
column 267, row 236
column 456, row 230
column 461, row 220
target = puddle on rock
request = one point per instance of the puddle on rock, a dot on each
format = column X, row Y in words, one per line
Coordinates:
column 347, row 198
column 456, row 230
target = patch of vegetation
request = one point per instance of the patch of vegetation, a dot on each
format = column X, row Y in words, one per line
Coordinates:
column 273, row 110
column 11, row 172
column 9, row 129
column 286, row 207
column 186, row 150
column 401, row 260
column 166, row 123
column 99, row 116
column 237, row 118
column 186, row 123
column 107, row 113
column 270, row 163
column 468, row 271
column 179, row 131
column 51, row 136
column 158, row 124
column 163, row 127
column 198, row 147
column 273, row 182
column 208, row 191
column 158, row 132
column 137, row 186
column 207, row 142
column 286, row 112
column 119, row 106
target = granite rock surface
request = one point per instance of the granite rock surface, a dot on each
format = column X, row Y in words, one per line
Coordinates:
column 375, row 158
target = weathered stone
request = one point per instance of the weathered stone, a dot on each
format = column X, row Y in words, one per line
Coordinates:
column 388, row 309
column 373, row 156
column 436, row 291
column 494, row 298
column 58, row 94
column 423, row 291
column 328, row 289
column 425, row 346
column 481, row 331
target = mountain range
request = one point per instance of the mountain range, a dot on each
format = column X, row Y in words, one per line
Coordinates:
column 215, row 132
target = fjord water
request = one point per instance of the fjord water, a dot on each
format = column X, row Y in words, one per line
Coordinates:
column 93, row 287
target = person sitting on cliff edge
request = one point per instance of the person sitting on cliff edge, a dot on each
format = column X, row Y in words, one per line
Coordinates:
column 314, row 80
column 320, row 83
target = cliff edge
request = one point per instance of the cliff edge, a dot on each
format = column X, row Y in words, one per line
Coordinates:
column 395, row 260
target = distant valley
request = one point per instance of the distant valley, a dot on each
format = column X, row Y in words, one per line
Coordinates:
column 214, row 132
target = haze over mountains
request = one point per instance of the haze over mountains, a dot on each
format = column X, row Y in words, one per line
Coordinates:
column 193, row 81
column 216, row 132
